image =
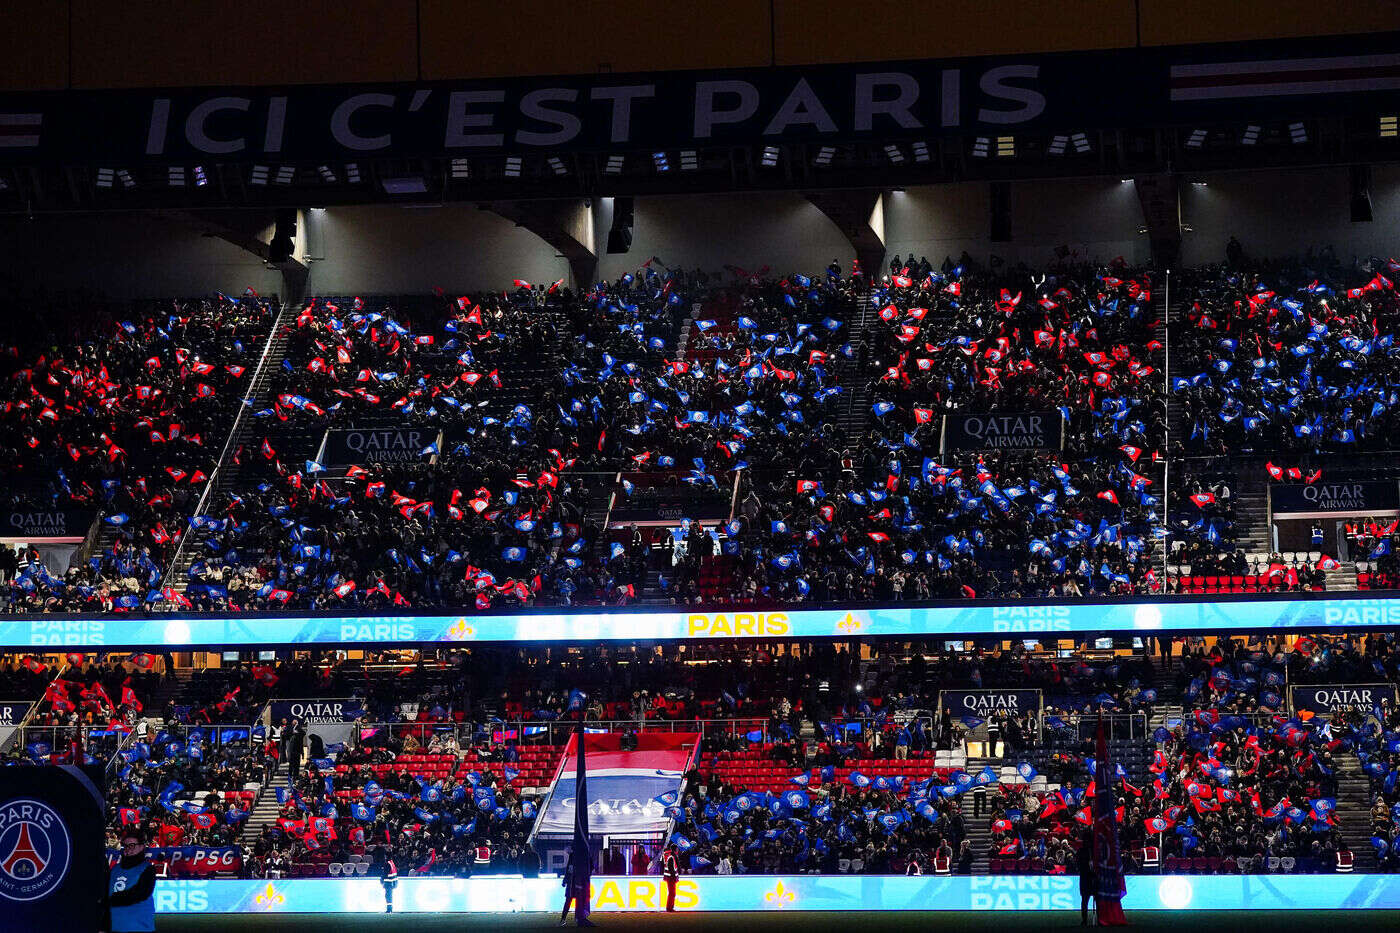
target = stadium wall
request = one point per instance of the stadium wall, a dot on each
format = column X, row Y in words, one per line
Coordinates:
column 391, row 249
column 1094, row 219
column 123, row 256
column 783, row 231
column 1284, row 213
column 386, row 249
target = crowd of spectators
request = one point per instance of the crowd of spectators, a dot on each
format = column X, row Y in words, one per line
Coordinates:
column 817, row 399
column 187, row 786
column 126, row 417
column 1287, row 359
column 377, row 800
column 1081, row 343
column 884, row 825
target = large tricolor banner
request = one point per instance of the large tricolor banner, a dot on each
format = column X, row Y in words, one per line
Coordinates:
column 623, row 786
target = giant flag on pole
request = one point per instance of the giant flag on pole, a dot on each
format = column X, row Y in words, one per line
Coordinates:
column 623, row 786
column 1108, row 863
column 582, row 855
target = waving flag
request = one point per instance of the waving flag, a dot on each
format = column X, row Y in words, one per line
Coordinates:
column 1108, row 865
column 581, row 853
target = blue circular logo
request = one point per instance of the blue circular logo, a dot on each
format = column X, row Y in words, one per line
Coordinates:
column 34, row 850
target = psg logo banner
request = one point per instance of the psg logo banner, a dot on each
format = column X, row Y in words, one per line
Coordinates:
column 51, row 849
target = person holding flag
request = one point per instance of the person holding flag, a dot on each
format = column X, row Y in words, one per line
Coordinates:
column 1088, row 883
column 1108, row 864
column 578, row 873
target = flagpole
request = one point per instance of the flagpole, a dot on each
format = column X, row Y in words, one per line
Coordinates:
column 1167, row 429
column 582, row 854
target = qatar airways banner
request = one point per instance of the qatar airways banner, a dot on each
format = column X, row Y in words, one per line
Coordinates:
column 1327, row 699
column 358, row 446
column 317, row 711
column 622, row 785
column 12, row 713
column 45, row 526
column 982, row 703
column 1039, row 430
column 963, row 618
column 332, row 719
column 500, row 894
column 1320, row 500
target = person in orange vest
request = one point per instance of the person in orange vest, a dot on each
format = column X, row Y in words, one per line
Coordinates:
column 482, row 860
column 390, row 880
column 670, row 873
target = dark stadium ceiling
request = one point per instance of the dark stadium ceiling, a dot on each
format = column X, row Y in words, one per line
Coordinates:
column 1345, row 139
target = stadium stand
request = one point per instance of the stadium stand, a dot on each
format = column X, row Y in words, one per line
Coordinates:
column 813, row 759
column 759, row 442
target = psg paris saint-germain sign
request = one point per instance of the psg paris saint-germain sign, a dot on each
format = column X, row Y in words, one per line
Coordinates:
column 35, row 850
column 51, row 853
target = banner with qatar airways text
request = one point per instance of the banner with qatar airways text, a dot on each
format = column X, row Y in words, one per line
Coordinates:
column 622, row 785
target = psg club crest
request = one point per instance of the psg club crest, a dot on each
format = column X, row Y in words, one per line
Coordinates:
column 34, row 850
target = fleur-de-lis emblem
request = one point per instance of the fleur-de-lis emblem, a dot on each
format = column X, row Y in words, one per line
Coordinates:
column 780, row 896
column 460, row 631
column 270, row 898
column 850, row 624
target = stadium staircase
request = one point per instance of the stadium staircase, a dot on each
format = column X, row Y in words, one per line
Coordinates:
column 1342, row 578
column 169, row 689
column 1251, row 506
column 241, row 436
column 1353, row 811
column 266, row 809
column 1159, row 333
column 856, row 414
column 978, row 821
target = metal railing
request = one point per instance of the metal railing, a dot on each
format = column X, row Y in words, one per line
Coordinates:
column 1080, row 727
column 542, row 732
column 106, row 743
column 532, row 732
